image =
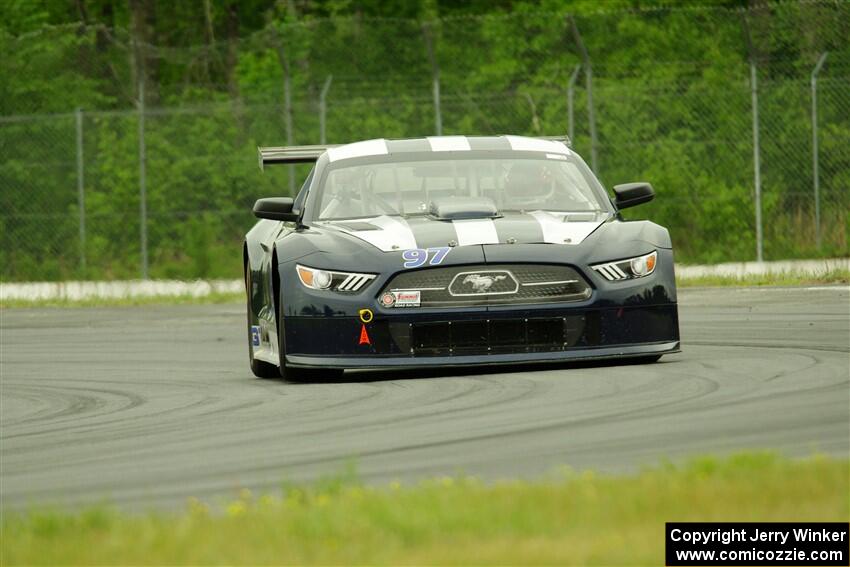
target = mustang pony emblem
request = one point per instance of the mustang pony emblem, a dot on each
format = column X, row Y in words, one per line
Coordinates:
column 481, row 284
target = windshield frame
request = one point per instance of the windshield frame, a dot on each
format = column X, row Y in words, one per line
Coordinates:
column 314, row 197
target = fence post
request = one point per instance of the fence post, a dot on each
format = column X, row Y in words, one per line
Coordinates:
column 435, row 78
column 754, row 90
column 283, row 58
column 323, row 109
column 143, row 197
column 588, row 77
column 535, row 120
column 81, row 196
column 287, row 109
column 571, row 87
column 815, row 164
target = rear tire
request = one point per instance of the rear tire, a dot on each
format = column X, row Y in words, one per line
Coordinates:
column 260, row 368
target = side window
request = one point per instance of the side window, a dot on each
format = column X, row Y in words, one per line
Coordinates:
column 302, row 193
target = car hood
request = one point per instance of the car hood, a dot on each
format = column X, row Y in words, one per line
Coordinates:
column 392, row 233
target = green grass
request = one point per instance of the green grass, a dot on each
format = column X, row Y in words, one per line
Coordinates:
column 785, row 279
column 565, row 518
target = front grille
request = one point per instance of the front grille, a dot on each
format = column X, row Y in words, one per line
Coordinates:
column 473, row 283
column 488, row 336
column 492, row 284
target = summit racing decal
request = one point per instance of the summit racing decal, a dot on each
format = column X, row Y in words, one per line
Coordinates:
column 402, row 298
column 416, row 257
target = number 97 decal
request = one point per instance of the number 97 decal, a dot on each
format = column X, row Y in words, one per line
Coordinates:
column 416, row 257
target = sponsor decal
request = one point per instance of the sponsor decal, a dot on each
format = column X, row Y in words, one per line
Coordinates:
column 407, row 298
column 416, row 257
column 255, row 335
column 388, row 299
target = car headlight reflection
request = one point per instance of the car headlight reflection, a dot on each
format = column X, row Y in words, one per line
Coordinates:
column 315, row 278
column 629, row 268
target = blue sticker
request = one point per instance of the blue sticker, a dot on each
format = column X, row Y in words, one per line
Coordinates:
column 255, row 335
column 416, row 257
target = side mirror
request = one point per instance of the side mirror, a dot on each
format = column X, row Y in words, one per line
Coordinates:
column 631, row 194
column 275, row 208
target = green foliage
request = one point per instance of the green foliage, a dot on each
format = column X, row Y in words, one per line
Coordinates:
column 671, row 96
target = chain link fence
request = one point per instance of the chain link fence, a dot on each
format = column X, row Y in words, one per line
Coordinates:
column 155, row 175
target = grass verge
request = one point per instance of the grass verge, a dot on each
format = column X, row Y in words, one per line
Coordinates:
column 784, row 279
column 566, row 518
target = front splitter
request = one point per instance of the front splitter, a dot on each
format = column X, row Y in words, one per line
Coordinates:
column 377, row 362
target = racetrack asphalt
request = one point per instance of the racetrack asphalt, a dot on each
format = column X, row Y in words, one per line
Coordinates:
column 147, row 406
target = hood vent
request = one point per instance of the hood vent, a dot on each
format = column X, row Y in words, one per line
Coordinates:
column 463, row 208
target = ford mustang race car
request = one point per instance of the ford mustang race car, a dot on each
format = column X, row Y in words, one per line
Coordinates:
column 452, row 250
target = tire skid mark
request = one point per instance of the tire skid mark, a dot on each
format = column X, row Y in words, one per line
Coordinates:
column 396, row 420
column 711, row 386
column 113, row 433
column 338, row 458
column 719, row 343
column 201, row 425
column 82, row 404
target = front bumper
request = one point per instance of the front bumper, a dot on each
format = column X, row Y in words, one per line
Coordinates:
column 620, row 319
column 482, row 337
column 378, row 362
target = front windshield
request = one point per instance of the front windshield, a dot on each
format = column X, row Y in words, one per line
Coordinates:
column 552, row 183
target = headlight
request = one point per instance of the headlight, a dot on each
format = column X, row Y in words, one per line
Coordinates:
column 629, row 268
column 327, row 279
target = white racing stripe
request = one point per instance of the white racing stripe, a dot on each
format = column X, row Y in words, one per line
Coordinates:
column 359, row 149
column 556, row 231
column 475, row 231
column 393, row 234
column 524, row 144
column 448, row 143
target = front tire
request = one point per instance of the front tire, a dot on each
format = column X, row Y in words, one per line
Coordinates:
column 302, row 374
column 260, row 368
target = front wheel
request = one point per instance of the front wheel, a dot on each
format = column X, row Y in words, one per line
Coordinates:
column 260, row 368
column 303, row 374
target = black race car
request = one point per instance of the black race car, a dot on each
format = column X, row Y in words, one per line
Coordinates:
column 453, row 250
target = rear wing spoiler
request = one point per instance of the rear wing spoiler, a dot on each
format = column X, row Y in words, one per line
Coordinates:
column 291, row 154
column 309, row 154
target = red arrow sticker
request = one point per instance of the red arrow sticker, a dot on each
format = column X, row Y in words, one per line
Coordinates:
column 364, row 336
